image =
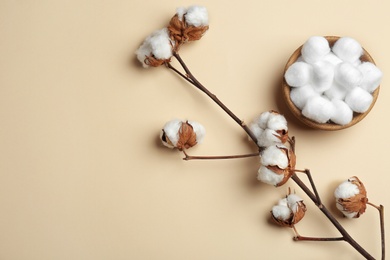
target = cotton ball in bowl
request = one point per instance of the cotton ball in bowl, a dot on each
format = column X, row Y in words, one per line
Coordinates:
column 336, row 91
column 315, row 49
column 342, row 113
column 347, row 75
column 299, row 96
column 347, row 49
column 372, row 76
column 323, row 73
column 318, row 109
column 298, row 74
column 359, row 100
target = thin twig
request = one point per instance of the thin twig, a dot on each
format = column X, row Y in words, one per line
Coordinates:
column 221, row 157
column 381, row 210
column 308, row 174
column 303, row 238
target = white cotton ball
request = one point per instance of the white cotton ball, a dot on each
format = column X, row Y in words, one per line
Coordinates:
column 336, row 92
column 315, row 49
column 274, row 156
column 347, row 75
column 281, row 212
column 269, row 177
column 268, row 137
column 372, row 76
column 171, row 130
column 346, row 213
column 256, row 130
column 346, row 190
column 323, row 73
column 347, row 49
column 298, row 74
column 283, row 202
column 197, row 16
column 359, row 100
column 262, row 120
column 292, row 202
column 160, row 43
column 199, row 130
column 342, row 113
column 277, row 122
column 318, row 109
column 332, row 59
column 299, row 96
column 180, row 11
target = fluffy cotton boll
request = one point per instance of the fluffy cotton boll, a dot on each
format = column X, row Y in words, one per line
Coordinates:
column 346, row 190
column 332, row 59
column 347, row 49
column 277, row 122
column 347, row 75
column 298, row 74
column 299, row 96
column 143, row 51
column 267, row 176
column 262, row 120
column 256, row 130
column 197, row 16
column 315, row 49
column 342, row 113
column 274, row 155
column 171, row 131
column 281, row 212
column 199, row 130
column 283, row 202
column 318, row 109
column 160, row 43
column 180, row 11
column 323, row 73
column 359, row 100
column 336, row 92
column 292, row 202
column 372, row 76
column 268, row 137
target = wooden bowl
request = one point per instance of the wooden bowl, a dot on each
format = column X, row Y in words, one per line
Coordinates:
column 357, row 117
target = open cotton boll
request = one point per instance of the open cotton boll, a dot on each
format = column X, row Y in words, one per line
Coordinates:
column 336, row 92
column 281, row 212
column 347, row 75
column 171, row 131
column 274, row 155
column 318, row 109
column 262, row 119
column 359, row 100
column 299, row 96
column 332, row 59
column 346, row 190
column 180, row 11
column 283, row 202
column 347, row 49
column 267, row 176
column 315, row 49
column 298, row 74
column 277, row 122
column 197, row 16
column 323, row 73
column 268, row 137
column 342, row 113
column 256, row 130
column 199, row 130
column 372, row 76
column 292, row 202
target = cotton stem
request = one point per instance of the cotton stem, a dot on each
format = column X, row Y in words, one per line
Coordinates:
column 381, row 210
column 221, row 157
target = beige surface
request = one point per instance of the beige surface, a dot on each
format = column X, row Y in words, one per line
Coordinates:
column 83, row 176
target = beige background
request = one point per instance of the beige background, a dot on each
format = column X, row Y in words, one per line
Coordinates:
column 82, row 172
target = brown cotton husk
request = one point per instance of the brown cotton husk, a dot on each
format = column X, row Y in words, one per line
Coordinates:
column 289, row 170
column 282, row 136
column 187, row 137
column 357, row 203
column 153, row 62
column 180, row 32
column 294, row 218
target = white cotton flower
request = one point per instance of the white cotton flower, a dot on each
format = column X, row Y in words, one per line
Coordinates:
column 262, row 120
column 372, row 76
column 283, row 202
column 171, row 130
column 342, row 113
column 197, row 16
column 359, row 100
column 347, row 49
column 158, row 45
column 267, row 176
column 346, row 190
column 180, row 11
column 268, row 137
column 281, row 212
column 318, row 109
column 277, row 122
column 315, row 49
column 299, row 96
column 275, row 155
column 298, row 74
column 199, row 130
column 256, row 130
column 289, row 211
column 347, row 75
column 292, row 202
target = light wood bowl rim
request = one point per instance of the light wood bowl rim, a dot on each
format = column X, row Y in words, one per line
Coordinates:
column 330, row 126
